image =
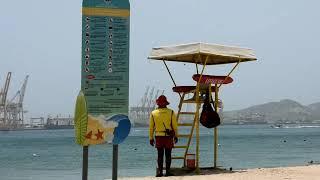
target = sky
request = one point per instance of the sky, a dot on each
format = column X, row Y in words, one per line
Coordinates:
column 43, row 39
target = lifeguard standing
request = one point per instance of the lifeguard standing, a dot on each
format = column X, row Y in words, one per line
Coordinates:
column 163, row 125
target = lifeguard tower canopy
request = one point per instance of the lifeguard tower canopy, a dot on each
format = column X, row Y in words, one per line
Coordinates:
column 199, row 52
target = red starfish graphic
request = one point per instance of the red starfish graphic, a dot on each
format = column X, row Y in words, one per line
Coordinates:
column 99, row 134
column 88, row 136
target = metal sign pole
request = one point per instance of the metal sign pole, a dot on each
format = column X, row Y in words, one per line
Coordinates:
column 85, row 163
column 115, row 162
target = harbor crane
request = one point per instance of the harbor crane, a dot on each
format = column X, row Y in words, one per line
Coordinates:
column 12, row 112
column 3, row 101
column 140, row 113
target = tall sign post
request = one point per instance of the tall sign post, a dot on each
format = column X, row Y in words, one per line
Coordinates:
column 102, row 104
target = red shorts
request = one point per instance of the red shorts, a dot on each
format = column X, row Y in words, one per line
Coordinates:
column 164, row 142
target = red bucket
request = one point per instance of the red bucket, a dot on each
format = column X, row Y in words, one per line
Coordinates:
column 191, row 161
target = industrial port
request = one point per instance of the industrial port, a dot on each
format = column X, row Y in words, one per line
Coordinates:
column 12, row 111
column 139, row 114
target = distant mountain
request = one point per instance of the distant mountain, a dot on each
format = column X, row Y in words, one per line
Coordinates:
column 284, row 111
column 315, row 109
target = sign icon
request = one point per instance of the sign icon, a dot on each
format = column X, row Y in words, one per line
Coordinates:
column 90, row 76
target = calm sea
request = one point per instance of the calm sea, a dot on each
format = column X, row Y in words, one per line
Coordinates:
column 52, row 154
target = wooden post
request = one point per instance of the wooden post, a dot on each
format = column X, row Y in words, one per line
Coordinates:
column 197, row 127
column 198, row 102
column 216, row 101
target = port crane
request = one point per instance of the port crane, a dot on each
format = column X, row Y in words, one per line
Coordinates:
column 141, row 112
column 3, row 101
column 12, row 111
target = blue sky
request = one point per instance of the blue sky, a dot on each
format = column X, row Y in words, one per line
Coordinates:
column 43, row 39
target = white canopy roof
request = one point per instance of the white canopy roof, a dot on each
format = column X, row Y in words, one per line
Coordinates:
column 198, row 52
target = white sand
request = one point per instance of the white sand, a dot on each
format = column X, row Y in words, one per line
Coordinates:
column 282, row 173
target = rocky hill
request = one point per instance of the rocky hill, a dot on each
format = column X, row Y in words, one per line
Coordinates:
column 284, row 111
column 315, row 110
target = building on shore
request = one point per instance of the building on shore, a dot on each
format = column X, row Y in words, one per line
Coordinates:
column 35, row 123
column 59, row 122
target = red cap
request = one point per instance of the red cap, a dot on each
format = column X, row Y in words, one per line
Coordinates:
column 162, row 100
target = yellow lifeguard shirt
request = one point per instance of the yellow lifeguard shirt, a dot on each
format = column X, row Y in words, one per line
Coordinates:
column 160, row 119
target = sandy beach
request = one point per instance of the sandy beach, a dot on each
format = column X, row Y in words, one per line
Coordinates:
column 311, row 172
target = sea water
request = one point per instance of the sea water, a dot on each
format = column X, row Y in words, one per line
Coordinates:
column 53, row 154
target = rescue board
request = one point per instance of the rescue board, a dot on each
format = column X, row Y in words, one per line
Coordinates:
column 207, row 79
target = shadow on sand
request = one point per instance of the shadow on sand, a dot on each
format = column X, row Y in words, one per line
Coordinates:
column 203, row 171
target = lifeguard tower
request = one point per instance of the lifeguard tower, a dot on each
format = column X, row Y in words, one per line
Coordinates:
column 200, row 54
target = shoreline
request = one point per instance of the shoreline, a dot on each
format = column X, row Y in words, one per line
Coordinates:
column 307, row 172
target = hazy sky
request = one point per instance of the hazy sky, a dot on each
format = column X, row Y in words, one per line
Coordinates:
column 43, row 39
